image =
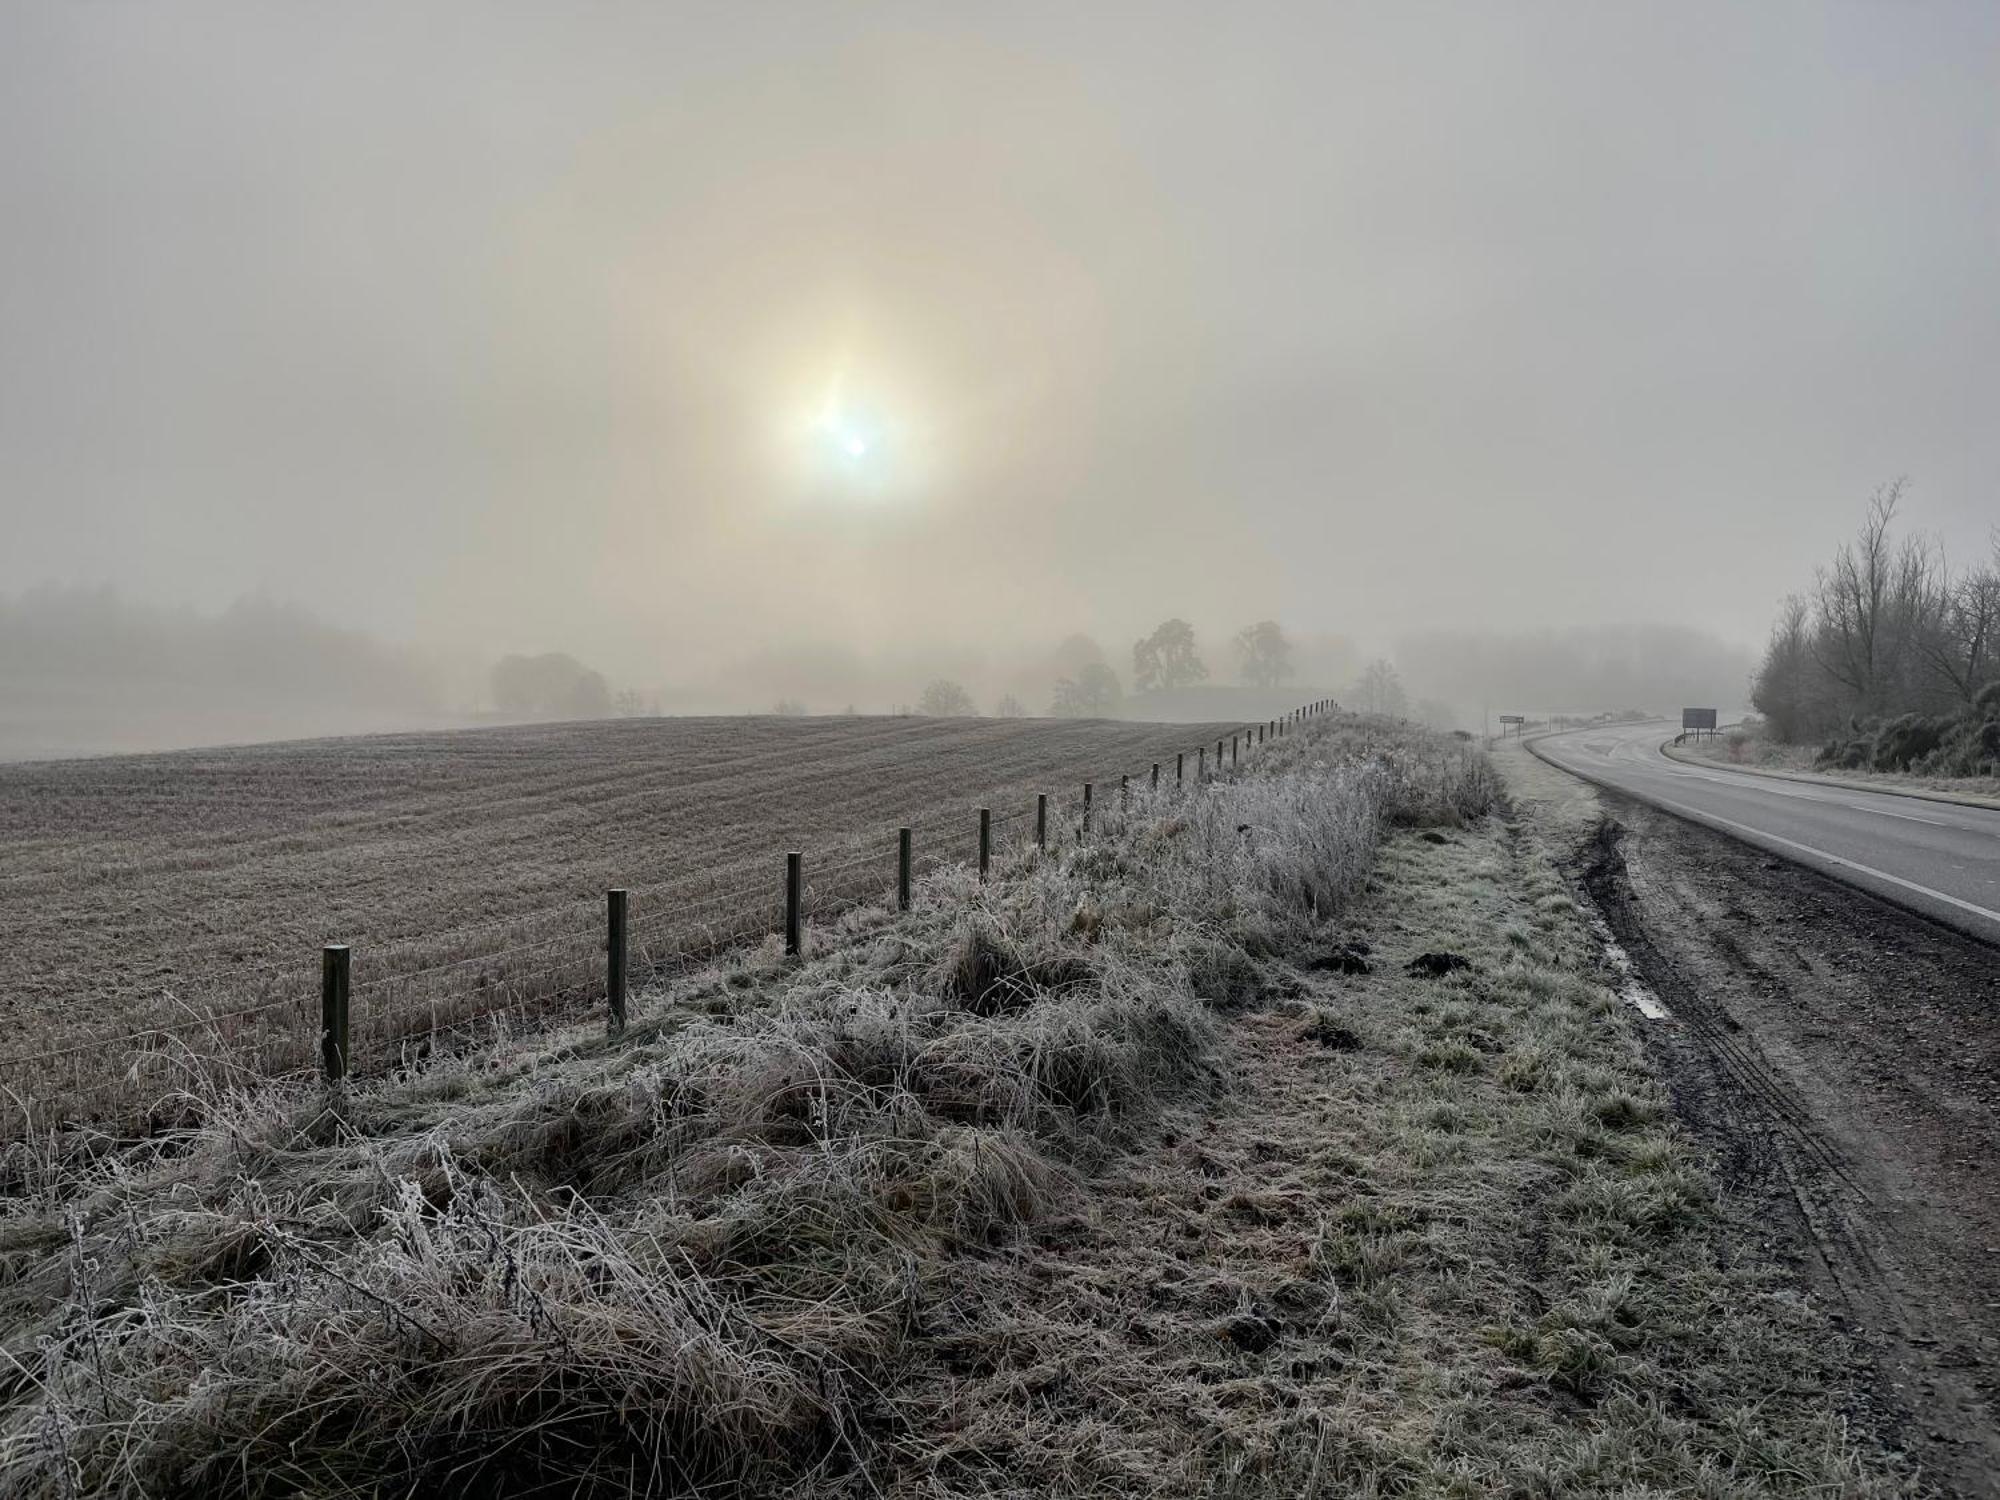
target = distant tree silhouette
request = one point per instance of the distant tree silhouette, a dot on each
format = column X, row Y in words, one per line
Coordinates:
column 1167, row 659
column 1264, row 653
column 1092, row 693
column 1010, row 707
column 788, row 708
column 552, row 686
column 1380, row 690
column 945, row 699
column 1075, row 652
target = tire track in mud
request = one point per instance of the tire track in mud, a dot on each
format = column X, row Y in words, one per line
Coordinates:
column 1852, row 1151
column 1742, row 1061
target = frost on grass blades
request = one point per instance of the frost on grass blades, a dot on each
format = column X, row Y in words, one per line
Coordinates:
column 1161, row 1163
column 684, row 1261
column 177, row 902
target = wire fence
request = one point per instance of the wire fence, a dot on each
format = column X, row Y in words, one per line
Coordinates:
column 527, row 970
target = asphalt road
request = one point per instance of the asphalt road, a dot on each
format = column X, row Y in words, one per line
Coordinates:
column 1939, row 858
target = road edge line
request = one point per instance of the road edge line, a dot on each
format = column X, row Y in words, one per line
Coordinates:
column 1807, row 778
column 1844, row 871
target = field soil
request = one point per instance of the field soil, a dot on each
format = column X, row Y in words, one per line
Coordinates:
column 140, row 890
column 1840, row 1058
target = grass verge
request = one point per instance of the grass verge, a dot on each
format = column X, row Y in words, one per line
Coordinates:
column 1440, row 1236
column 1749, row 747
column 1283, row 1140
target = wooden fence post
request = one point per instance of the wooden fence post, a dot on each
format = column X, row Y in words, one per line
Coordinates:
column 614, row 955
column 902, row 869
column 1233, row 757
column 1124, row 790
column 794, row 890
column 1087, row 788
column 333, row 1011
column 1201, row 765
column 1180, row 767
column 985, row 840
column 1156, row 776
column 1041, row 820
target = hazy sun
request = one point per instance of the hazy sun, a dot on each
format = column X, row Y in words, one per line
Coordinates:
column 853, row 444
column 847, row 431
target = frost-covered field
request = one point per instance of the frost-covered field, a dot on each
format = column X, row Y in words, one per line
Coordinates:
column 142, row 891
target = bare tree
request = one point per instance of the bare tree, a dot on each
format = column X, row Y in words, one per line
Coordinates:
column 1167, row 659
column 1886, row 630
column 1010, row 707
column 1868, row 604
column 1092, row 693
column 1265, row 653
column 1783, row 690
column 945, row 699
column 1962, row 623
column 1380, row 690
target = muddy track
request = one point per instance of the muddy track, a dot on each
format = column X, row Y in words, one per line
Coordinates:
column 1841, row 1058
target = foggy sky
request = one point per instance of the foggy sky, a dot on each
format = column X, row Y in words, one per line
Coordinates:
column 494, row 325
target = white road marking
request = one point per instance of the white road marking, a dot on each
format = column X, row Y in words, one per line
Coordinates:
column 1883, row 812
column 1699, row 816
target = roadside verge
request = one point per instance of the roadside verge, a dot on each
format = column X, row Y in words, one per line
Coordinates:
column 1967, row 918
column 1798, row 1009
column 1922, row 794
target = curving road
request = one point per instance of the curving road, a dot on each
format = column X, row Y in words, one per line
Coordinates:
column 1939, row 858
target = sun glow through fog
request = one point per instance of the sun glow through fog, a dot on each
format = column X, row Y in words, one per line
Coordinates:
column 854, row 444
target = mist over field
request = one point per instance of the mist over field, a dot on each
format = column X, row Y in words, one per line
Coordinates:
column 1536, row 350
column 869, row 749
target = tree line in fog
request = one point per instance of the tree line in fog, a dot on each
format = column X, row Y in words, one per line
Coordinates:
column 1889, row 628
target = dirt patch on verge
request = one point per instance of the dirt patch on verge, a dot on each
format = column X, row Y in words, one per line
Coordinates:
column 1840, row 1059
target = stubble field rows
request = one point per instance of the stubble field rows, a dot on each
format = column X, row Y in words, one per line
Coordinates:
column 466, row 869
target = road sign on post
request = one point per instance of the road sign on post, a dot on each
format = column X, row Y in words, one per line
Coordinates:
column 1515, row 720
column 1698, row 721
